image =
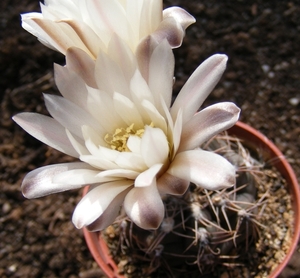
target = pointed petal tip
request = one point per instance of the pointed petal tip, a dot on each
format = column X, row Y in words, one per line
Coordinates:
column 181, row 15
column 219, row 58
column 144, row 207
column 168, row 184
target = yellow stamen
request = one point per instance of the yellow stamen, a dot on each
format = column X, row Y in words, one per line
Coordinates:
column 118, row 140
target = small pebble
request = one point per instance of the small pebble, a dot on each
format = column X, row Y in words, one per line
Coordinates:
column 294, row 101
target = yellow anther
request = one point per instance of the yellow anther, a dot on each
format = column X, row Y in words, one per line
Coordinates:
column 118, row 140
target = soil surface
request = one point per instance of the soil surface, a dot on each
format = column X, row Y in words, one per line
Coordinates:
column 261, row 38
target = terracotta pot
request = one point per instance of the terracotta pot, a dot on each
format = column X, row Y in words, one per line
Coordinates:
column 254, row 140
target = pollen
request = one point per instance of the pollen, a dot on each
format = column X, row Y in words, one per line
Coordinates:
column 118, row 140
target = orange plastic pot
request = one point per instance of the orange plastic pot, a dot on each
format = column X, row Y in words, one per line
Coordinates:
column 253, row 139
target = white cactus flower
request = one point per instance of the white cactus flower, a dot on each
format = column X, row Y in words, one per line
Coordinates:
column 133, row 147
column 90, row 24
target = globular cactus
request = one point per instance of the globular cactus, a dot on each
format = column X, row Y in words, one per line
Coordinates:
column 202, row 230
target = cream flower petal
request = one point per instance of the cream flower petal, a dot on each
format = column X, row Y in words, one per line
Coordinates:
column 80, row 62
column 39, row 182
column 58, row 35
column 77, row 143
column 71, row 85
column 205, row 169
column 172, row 27
column 32, row 21
column 47, row 130
column 56, row 9
column 70, row 115
column 107, row 117
column 147, row 177
column 177, row 133
column 128, row 111
column 134, row 144
column 154, row 115
column 119, row 173
column 110, row 213
column 168, row 184
column 107, row 72
column 98, row 162
column 92, row 140
column 90, row 24
column 180, row 15
column 88, row 37
column 150, row 16
column 154, row 146
column 143, row 53
column 81, row 177
column 161, row 72
column 131, row 161
column 170, row 30
column 139, row 88
column 199, row 86
column 96, row 201
column 207, row 123
column 144, row 206
column 120, row 52
column 133, row 11
column 108, row 17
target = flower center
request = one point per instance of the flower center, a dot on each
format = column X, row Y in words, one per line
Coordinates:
column 118, row 140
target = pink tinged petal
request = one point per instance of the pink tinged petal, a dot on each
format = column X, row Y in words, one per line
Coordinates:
column 58, row 35
column 148, row 177
column 81, row 177
column 109, row 76
column 139, row 88
column 177, row 133
column 110, row 214
column 47, row 130
column 207, row 123
column 70, row 115
column 144, row 206
column 120, row 52
column 154, row 146
column 77, row 143
column 128, row 111
column 171, row 30
column 39, row 182
column 70, row 85
column 154, row 115
column 168, row 184
column 92, row 140
column 199, row 86
column 107, row 117
column 173, row 135
column 180, row 15
column 32, row 26
column 96, row 201
column 205, row 169
column 161, row 72
column 90, row 39
column 143, row 53
column 80, row 62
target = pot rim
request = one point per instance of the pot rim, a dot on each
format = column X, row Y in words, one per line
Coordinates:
column 100, row 251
